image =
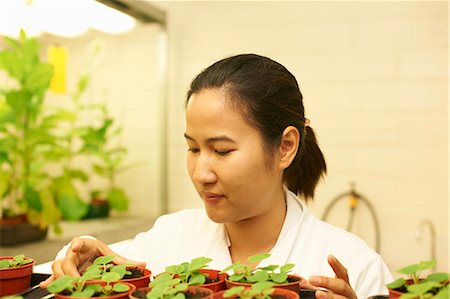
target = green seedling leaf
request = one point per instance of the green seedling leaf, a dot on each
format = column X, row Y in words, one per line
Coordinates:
column 119, row 269
column 279, row 277
column 287, row 267
column 233, row 291
column 197, row 279
column 180, row 296
column 103, row 260
column 260, row 286
column 258, row 257
column 269, row 268
column 4, row 264
column 443, row 293
column 91, row 274
column 422, row 288
column 198, row 263
column 87, row 293
column 258, row 277
column 181, row 287
column 95, row 287
column 60, row 284
column 438, row 277
column 120, row 287
column 412, row 269
column 110, row 277
column 396, row 284
column 236, row 277
column 234, row 267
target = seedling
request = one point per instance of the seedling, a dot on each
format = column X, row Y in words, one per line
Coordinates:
column 259, row 290
column 17, row 261
column 190, row 272
column 165, row 286
column 244, row 273
column 103, row 265
column 434, row 286
column 77, row 287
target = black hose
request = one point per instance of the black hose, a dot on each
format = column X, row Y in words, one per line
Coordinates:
column 358, row 196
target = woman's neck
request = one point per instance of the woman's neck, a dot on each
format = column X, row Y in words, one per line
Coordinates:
column 257, row 234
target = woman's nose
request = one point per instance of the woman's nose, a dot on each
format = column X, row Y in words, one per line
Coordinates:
column 203, row 172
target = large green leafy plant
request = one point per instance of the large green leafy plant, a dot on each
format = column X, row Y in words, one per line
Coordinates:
column 435, row 285
column 27, row 138
column 101, row 143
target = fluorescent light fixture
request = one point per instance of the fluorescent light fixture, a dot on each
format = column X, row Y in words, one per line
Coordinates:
column 68, row 18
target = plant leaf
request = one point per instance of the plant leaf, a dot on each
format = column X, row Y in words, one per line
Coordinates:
column 120, row 287
column 396, row 284
column 258, row 257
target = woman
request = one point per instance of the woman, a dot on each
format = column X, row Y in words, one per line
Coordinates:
column 251, row 150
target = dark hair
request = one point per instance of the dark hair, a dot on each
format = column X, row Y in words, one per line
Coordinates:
column 269, row 96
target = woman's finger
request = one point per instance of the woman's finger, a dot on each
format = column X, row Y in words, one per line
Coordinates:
column 45, row 283
column 338, row 268
column 335, row 285
column 328, row 295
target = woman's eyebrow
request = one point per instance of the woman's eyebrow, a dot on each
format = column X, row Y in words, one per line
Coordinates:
column 212, row 139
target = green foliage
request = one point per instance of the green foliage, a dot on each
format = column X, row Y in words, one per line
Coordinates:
column 189, row 272
column 27, row 140
column 77, row 287
column 35, row 137
column 435, row 285
column 17, row 261
column 244, row 273
column 103, row 267
column 165, row 286
column 259, row 290
column 98, row 142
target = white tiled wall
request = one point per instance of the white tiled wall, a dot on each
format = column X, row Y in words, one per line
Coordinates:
column 374, row 79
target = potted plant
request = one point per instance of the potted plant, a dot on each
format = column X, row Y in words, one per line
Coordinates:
column 100, row 142
column 244, row 275
column 79, row 287
column 15, row 274
column 194, row 273
column 27, row 143
column 129, row 273
column 166, row 286
column 259, row 290
column 435, row 285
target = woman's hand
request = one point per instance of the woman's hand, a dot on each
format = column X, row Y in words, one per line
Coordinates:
column 79, row 256
column 339, row 286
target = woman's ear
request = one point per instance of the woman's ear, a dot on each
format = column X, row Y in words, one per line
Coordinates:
column 289, row 146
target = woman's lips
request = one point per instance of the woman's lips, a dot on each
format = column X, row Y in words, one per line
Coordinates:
column 211, row 197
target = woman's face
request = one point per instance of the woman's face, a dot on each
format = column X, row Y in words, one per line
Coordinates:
column 227, row 162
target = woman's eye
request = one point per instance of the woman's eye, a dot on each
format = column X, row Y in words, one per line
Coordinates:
column 223, row 153
column 193, row 150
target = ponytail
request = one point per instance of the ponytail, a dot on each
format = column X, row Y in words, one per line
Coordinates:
column 308, row 166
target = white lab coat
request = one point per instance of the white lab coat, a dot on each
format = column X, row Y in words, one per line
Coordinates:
column 304, row 241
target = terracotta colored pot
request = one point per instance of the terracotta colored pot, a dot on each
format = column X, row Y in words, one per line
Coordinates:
column 15, row 280
column 287, row 294
column 138, row 282
column 124, row 295
column 214, row 286
column 192, row 292
column 292, row 286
